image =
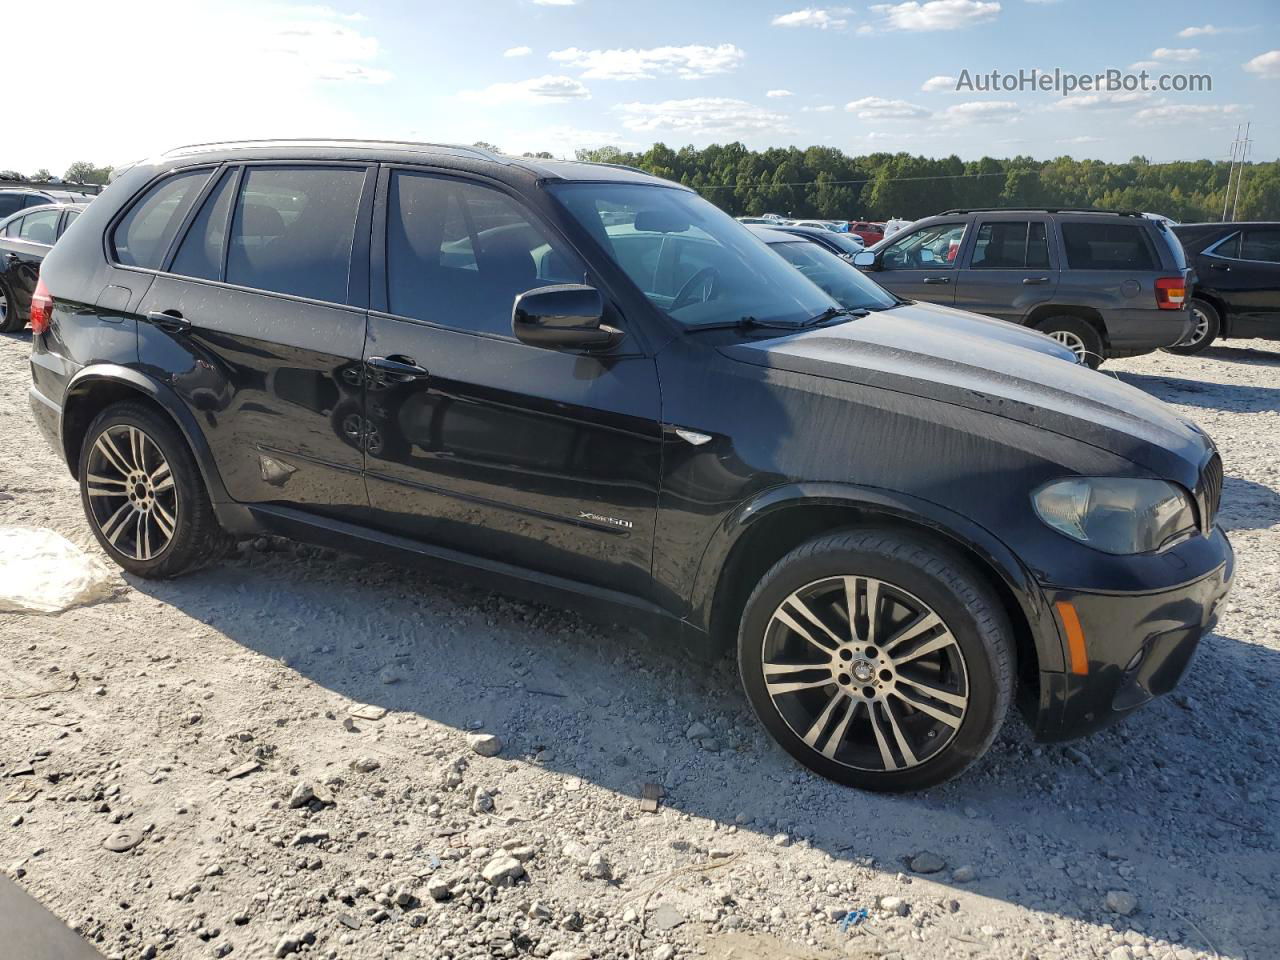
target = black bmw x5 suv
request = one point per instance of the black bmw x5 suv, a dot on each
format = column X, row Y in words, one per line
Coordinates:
column 523, row 369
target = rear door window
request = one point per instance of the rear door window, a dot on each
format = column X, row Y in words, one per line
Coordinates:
column 40, row 227
column 69, row 219
column 200, row 254
column 10, row 203
column 1107, row 246
column 36, row 201
column 1010, row 245
column 13, row 226
column 1261, row 243
column 293, row 228
column 143, row 237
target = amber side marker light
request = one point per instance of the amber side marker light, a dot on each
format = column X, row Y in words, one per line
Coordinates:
column 1075, row 637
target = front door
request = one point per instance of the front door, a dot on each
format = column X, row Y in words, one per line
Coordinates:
column 1008, row 268
column 265, row 333
column 921, row 265
column 543, row 459
column 1246, row 270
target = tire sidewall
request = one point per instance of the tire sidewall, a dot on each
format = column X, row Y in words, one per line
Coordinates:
column 11, row 322
column 987, row 703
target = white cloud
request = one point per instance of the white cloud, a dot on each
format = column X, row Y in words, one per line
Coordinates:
column 702, row 116
column 778, row 93
column 1083, row 138
column 937, row 14
column 562, row 140
column 1101, row 101
column 934, row 84
column 1178, row 54
column 825, row 108
column 690, row 63
column 878, row 108
column 1181, row 112
column 1144, row 64
column 828, row 19
column 517, row 52
column 1265, row 65
column 981, row 111
column 535, row 90
column 1208, row 30
column 555, row 3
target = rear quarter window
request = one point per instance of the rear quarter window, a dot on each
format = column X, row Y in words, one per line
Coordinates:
column 143, row 236
column 1108, row 246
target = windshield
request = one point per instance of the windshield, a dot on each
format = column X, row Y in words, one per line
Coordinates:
column 691, row 259
column 848, row 285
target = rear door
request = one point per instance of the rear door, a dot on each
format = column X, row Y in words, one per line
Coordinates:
column 544, row 459
column 1255, row 292
column 921, row 265
column 1008, row 268
column 26, row 243
column 258, row 320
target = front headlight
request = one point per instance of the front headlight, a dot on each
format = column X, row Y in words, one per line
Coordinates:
column 1117, row 514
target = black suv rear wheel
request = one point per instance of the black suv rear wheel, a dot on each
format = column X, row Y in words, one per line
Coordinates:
column 143, row 493
column 877, row 660
column 1207, row 327
column 10, row 321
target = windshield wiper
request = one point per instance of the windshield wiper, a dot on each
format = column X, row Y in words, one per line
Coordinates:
column 832, row 312
column 742, row 323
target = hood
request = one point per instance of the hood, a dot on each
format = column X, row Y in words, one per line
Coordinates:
column 908, row 352
column 964, row 322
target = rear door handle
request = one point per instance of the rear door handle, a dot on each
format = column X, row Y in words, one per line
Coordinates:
column 170, row 320
column 1212, row 266
column 400, row 367
column 1031, row 280
column 937, row 279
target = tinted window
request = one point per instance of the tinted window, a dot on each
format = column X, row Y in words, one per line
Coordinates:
column 1261, row 244
column 9, row 203
column 40, row 227
column 849, row 286
column 200, row 254
column 1230, row 247
column 458, row 254
column 36, row 201
column 142, row 238
column 1010, row 246
column 293, row 228
column 71, row 218
column 1107, row 246
column 931, row 248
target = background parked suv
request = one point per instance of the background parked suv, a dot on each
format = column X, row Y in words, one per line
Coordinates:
column 11, row 201
column 1104, row 284
column 1237, row 291
column 25, row 238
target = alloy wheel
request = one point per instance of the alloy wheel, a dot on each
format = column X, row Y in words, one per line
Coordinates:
column 865, row 673
column 1072, row 342
column 131, row 492
column 1201, row 330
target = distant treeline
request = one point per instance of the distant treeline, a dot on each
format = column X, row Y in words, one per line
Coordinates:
column 827, row 183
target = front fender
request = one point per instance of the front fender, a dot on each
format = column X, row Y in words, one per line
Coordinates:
column 970, row 538
column 81, row 388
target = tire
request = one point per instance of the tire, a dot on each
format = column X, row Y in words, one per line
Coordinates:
column 10, row 320
column 154, row 522
column 1080, row 336
column 969, row 660
column 1208, row 326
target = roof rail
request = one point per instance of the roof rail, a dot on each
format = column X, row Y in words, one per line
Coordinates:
column 303, row 141
column 1118, row 213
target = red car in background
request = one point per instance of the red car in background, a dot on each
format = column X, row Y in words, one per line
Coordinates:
column 869, row 231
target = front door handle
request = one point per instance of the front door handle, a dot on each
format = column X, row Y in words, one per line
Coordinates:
column 11, row 257
column 1031, row 280
column 937, row 279
column 170, row 320
column 400, row 367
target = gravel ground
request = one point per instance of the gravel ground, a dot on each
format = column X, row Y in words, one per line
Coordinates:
column 211, row 722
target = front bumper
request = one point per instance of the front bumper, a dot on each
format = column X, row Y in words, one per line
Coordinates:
column 1136, row 645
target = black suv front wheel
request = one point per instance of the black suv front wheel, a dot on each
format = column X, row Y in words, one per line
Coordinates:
column 143, row 493
column 877, row 660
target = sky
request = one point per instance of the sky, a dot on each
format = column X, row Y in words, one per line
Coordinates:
column 133, row 78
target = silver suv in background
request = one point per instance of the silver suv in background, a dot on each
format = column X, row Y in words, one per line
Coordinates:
column 1104, row 283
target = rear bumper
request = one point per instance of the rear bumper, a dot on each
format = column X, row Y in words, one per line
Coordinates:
column 1131, row 331
column 48, row 417
column 1138, row 646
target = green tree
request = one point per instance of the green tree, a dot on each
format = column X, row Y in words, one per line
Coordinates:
column 82, row 171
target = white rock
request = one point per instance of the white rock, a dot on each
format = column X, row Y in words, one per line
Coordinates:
column 894, row 905
column 964, row 874
column 502, row 870
column 698, row 731
column 302, row 794
column 438, row 889
column 1121, row 902
column 664, row 952
column 485, row 744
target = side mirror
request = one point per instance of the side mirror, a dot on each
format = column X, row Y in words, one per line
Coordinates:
column 568, row 315
column 867, row 260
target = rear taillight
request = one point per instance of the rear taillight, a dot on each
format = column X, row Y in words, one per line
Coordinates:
column 41, row 309
column 1171, row 293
